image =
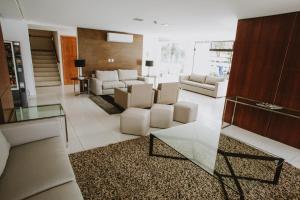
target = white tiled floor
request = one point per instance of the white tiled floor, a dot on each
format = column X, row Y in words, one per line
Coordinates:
column 90, row 127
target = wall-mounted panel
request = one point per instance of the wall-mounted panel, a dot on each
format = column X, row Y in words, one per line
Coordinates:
column 266, row 68
column 94, row 48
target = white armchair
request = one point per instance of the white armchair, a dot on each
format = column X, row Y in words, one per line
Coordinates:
column 139, row 96
column 167, row 93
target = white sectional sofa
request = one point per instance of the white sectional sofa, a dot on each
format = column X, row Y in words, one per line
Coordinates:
column 35, row 166
column 106, row 81
column 207, row 85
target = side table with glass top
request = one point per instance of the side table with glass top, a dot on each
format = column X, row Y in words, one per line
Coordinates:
column 44, row 116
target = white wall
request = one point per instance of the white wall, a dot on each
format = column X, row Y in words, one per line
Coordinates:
column 152, row 51
column 17, row 30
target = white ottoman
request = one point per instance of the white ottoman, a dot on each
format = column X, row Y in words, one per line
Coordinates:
column 135, row 121
column 185, row 112
column 161, row 116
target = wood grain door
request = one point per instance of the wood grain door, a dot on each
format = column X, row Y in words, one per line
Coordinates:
column 69, row 54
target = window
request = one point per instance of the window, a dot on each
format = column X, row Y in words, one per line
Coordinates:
column 213, row 58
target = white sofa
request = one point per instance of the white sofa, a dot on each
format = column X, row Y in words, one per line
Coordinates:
column 35, row 166
column 207, row 85
column 106, row 81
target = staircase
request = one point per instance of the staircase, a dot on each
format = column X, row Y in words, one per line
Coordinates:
column 45, row 68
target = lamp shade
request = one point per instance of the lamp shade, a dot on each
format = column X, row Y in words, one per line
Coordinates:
column 149, row 63
column 80, row 63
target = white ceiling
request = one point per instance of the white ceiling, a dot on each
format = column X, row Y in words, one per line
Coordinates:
column 192, row 18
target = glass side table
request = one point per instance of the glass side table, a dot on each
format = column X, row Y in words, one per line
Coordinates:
column 39, row 112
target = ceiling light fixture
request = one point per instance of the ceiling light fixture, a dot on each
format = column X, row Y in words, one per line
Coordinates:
column 138, row 19
column 161, row 24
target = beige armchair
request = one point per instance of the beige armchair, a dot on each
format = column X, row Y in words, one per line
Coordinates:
column 167, row 93
column 139, row 96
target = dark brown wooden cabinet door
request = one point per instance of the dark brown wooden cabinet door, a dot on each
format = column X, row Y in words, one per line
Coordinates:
column 258, row 59
column 285, row 129
column 69, row 54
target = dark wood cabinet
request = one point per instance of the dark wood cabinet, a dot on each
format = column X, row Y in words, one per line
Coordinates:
column 266, row 67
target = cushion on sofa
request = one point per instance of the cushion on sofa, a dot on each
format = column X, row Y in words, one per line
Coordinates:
column 208, row 86
column 68, row 191
column 213, row 80
column 127, row 74
column 4, row 152
column 107, row 75
column 199, row 85
column 133, row 82
column 113, row 84
column 35, row 167
column 198, row 78
column 193, row 83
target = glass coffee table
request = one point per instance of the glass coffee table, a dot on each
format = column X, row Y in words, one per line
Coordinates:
column 40, row 112
column 236, row 165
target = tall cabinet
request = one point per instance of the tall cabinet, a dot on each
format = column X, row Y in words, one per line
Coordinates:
column 16, row 73
column 266, row 67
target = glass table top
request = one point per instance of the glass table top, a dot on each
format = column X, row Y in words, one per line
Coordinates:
column 232, row 162
column 37, row 112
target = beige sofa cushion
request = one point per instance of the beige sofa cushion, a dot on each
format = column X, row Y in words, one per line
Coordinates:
column 208, row 87
column 199, row 85
column 68, row 191
column 113, row 84
column 107, row 75
column 133, row 82
column 35, row 167
column 198, row 78
column 127, row 74
column 4, row 152
column 193, row 83
column 213, row 80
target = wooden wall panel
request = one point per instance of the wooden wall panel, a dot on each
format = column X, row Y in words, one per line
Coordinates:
column 288, row 93
column 265, row 67
column 259, row 52
column 93, row 47
column 285, row 129
column 69, row 55
column 6, row 99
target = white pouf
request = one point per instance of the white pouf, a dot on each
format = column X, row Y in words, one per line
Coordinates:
column 161, row 116
column 185, row 112
column 135, row 121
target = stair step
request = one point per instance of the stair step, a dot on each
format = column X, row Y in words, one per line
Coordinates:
column 43, row 61
column 45, row 74
column 43, row 65
column 43, row 57
column 40, row 53
column 47, row 83
column 45, row 69
column 47, row 78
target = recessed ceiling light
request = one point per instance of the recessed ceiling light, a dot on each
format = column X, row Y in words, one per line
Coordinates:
column 138, row 19
column 161, row 24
